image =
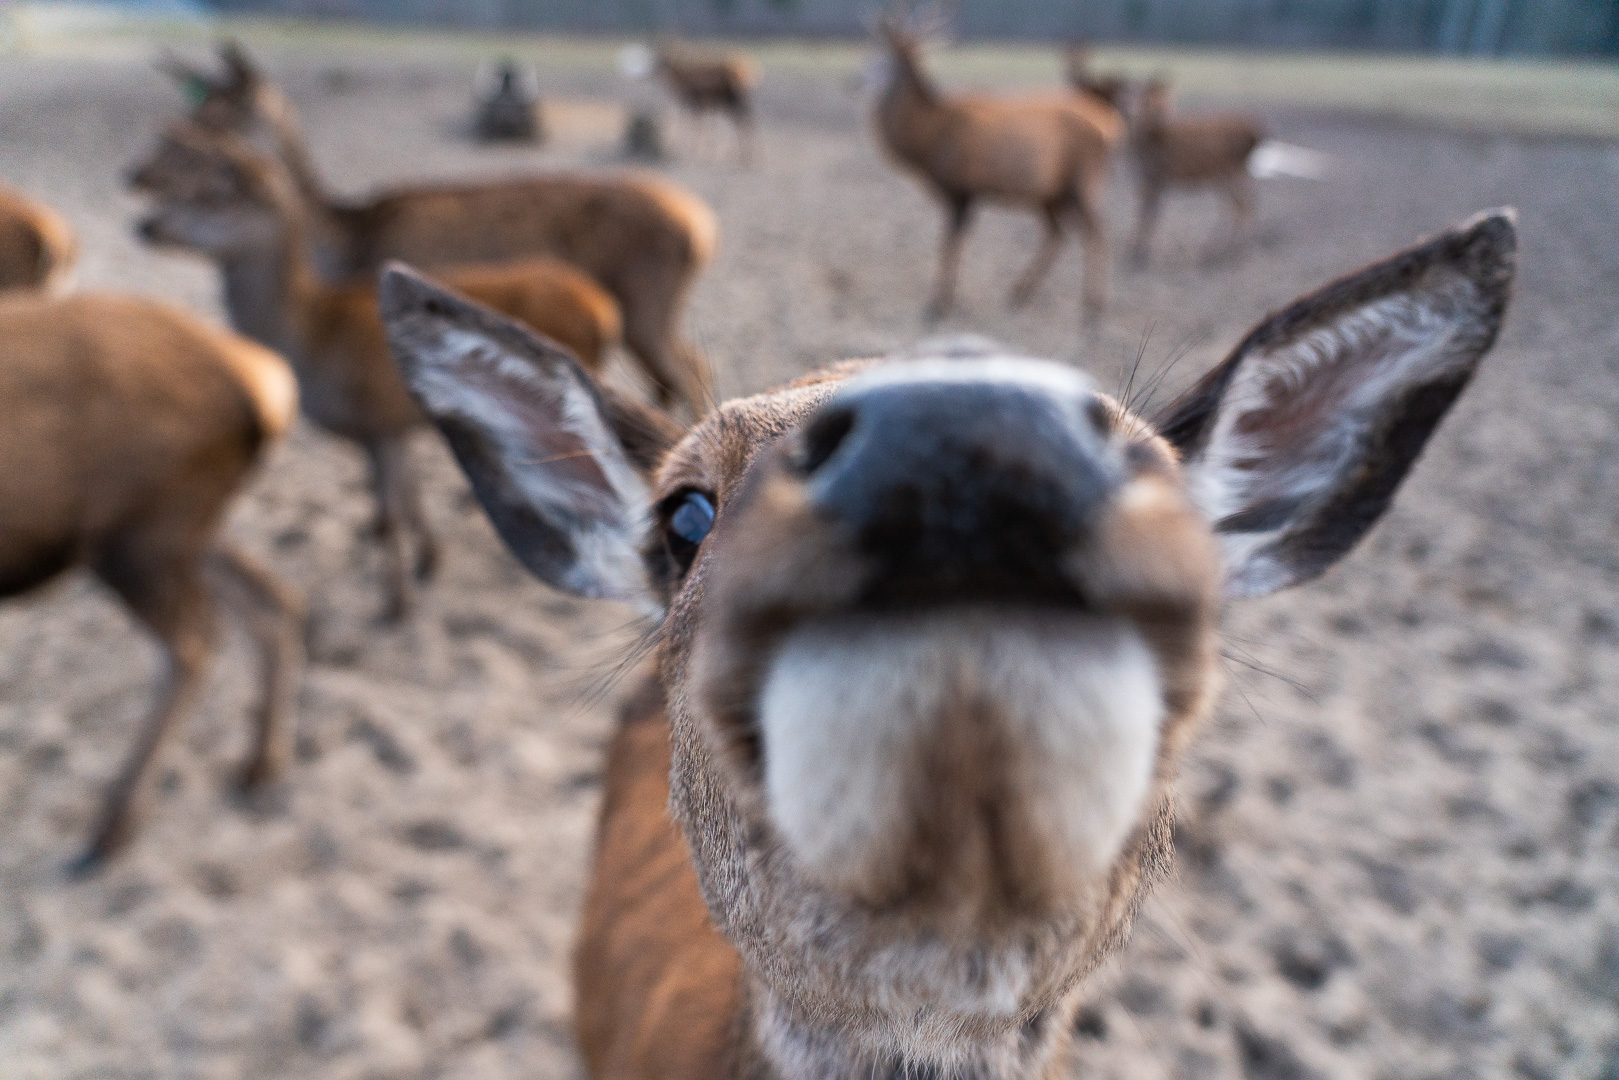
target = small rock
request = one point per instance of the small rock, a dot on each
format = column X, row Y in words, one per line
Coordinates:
column 1307, row 958
column 434, row 834
column 1089, row 1023
column 1266, row 1057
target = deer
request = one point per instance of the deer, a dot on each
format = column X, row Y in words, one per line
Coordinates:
column 128, row 427
column 1225, row 151
column 38, row 248
column 1111, row 90
column 711, row 83
column 1048, row 153
column 931, row 635
column 239, row 207
column 510, row 110
column 642, row 238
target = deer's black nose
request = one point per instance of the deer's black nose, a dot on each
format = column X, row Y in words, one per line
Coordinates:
column 966, row 482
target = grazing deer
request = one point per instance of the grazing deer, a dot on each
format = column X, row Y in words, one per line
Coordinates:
column 510, row 112
column 705, row 83
column 1111, row 90
column 935, row 634
column 37, row 245
column 1226, row 151
column 1047, row 153
column 127, row 426
column 239, row 207
column 644, row 239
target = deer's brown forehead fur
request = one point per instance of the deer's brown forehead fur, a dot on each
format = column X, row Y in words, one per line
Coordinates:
column 716, row 453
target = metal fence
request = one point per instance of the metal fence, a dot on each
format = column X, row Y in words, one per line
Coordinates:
column 1475, row 27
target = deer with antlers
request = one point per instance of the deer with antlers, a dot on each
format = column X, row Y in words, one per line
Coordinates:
column 37, row 246
column 127, row 427
column 1047, row 153
column 934, row 634
column 643, row 239
column 239, row 207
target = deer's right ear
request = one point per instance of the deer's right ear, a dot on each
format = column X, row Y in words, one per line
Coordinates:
column 531, row 431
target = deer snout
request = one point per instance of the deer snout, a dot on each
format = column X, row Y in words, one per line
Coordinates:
column 969, row 484
column 968, row 738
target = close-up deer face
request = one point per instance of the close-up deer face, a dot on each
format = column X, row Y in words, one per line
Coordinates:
column 923, row 639
column 936, row 630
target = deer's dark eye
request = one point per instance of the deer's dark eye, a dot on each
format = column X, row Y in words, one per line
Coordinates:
column 687, row 518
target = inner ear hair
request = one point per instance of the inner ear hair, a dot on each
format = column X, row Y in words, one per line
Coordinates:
column 1295, row 445
column 1481, row 249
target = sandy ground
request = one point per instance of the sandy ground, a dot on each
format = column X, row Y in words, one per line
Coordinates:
column 1400, row 857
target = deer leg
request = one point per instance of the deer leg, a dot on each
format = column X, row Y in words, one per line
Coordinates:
column 1094, row 235
column 164, row 589
column 1241, row 194
column 959, row 216
column 1023, row 291
column 699, row 135
column 1152, row 196
column 742, row 119
column 273, row 612
column 388, row 472
column 408, row 497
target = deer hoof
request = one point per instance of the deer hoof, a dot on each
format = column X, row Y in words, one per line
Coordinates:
column 98, row 853
column 87, row 864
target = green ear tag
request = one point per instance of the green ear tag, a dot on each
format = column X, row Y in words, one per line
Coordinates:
column 197, row 90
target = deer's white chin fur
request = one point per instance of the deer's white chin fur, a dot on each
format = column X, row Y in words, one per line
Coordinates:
column 852, row 707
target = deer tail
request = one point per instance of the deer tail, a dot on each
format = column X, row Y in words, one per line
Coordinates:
column 1273, row 158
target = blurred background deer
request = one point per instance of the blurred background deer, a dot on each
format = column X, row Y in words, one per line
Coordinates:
column 642, row 238
column 241, row 209
column 1047, row 153
column 703, row 83
column 37, row 246
column 1224, row 151
column 127, row 427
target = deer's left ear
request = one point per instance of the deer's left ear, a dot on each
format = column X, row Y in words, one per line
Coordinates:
column 1294, row 445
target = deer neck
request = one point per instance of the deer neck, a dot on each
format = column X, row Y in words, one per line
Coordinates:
column 324, row 225
column 271, row 295
column 909, row 111
column 783, row 1044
